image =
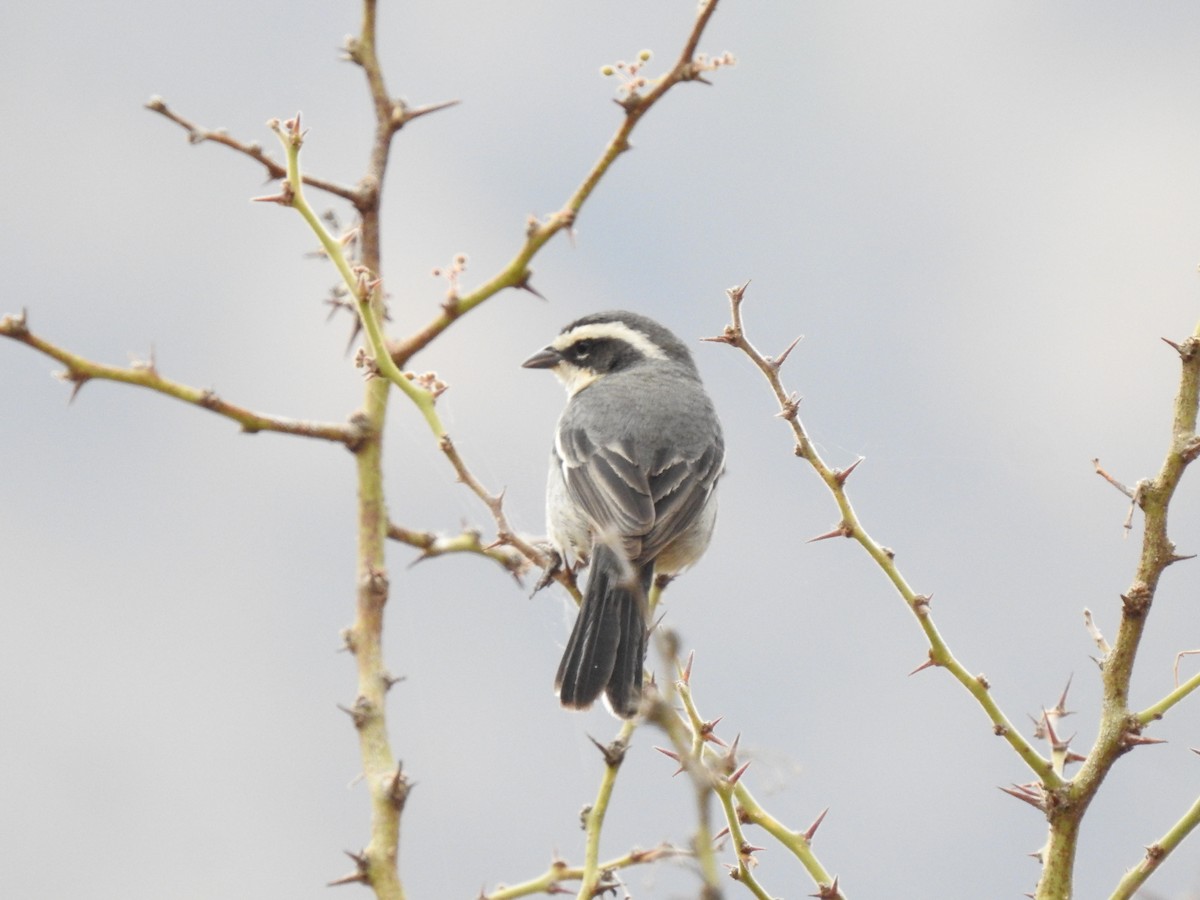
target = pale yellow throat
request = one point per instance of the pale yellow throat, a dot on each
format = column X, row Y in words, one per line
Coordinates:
column 574, row 378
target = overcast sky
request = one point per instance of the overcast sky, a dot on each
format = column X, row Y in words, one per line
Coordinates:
column 981, row 216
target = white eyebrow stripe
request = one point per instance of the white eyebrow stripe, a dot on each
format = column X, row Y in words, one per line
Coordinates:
column 612, row 330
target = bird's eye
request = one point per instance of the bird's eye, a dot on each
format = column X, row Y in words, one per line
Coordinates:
column 583, row 348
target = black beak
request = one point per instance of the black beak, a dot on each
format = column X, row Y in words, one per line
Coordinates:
column 546, row 358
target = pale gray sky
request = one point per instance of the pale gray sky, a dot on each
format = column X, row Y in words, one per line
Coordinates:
column 982, row 217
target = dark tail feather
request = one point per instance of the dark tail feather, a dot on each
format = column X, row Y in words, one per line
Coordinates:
column 607, row 647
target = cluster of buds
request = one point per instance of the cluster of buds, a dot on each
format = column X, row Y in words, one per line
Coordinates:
column 429, row 381
column 451, row 274
column 702, row 62
column 632, row 79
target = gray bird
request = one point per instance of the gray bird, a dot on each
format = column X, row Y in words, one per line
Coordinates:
column 633, row 473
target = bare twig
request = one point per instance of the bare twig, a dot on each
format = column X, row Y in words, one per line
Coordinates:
column 81, row 370
column 1134, row 494
column 468, row 541
column 505, row 535
column 197, row 134
column 1097, row 637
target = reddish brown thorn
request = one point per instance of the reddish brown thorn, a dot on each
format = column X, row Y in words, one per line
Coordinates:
column 729, row 763
column 78, row 380
column 614, row 753
column 737, row 776
column 1049, row 726
column 685, row 677
column 1174, row 346
column 283, row 198
column 1030, row 793
column 673, row 755
column 775, row 362
column 842, row 530
column 707, row 730
column 929, row 663
column 812, row 829
column 1061, row 707
column 720, row 834
column 748, row 850
column 828, row 891
column 840, row 475
column 1134, row 740
column 359, row 876
column 402, row 114
column 524, row 285
column 729, row 335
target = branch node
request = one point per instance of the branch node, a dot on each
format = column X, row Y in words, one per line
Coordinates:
column 614, row 753
column 15, row 326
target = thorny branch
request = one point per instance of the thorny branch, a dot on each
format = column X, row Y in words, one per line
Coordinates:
column 145, row 374
column 1063, row 800
column 851, row 527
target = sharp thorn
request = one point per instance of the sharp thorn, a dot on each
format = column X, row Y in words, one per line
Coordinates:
column 928, row 664
column 842, row 474
column 737, row 775
column 776, row 362
column 1061, row 706
column 812, row 829
column 841, row 531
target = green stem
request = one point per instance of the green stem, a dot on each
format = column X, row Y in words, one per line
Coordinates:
column 613, row 756
column 1159, row 709
column 1156, row 853
column 365, row 291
